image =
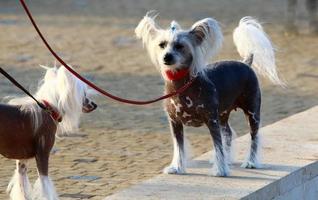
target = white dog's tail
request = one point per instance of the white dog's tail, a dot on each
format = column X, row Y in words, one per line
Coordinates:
column 255, row 47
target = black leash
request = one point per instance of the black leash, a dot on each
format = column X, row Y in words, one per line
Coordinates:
column 10, row 78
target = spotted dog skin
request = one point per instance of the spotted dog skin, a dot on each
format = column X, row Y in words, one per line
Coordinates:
column 228, row 85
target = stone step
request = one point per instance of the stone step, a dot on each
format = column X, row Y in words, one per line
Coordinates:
column 289, row 171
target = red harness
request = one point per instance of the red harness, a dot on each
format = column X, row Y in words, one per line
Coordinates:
column 55, row 114
column 177, row 75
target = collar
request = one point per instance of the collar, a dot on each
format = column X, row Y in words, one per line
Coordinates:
column 176, row 75
column 54, row 113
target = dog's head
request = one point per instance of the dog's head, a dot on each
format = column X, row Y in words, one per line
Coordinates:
column 68, row 94
column 74, row 95
column 176, row 49
column 88, row 104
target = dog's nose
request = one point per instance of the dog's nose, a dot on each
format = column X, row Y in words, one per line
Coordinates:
column 94, row 105
column 168, row 59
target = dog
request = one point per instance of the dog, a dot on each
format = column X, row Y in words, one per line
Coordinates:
column 182, row 55
column 27, row 131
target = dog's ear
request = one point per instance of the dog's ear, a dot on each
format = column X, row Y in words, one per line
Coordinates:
column 65, row 80
column 147, row 27
column 174, row 26
column 207, row 34
column 206, row 29
column 50, row 73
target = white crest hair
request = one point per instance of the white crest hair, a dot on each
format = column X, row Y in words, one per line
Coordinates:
column 147, row 27
column 147, row 30
column 63, row 91
column 174, row 26
column 210, row 45
column 250, row 39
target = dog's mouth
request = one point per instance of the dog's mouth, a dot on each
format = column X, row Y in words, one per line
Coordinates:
column 177, row 74
column 89, row 108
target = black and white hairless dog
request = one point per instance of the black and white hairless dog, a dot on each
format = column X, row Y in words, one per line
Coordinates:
column 219, row 88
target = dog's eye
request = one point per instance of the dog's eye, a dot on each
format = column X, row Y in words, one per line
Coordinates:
column 178, row 46
column 163, row 44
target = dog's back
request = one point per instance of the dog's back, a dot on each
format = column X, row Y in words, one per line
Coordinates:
column 233, row 80
column 17, row 130
column 14, row 128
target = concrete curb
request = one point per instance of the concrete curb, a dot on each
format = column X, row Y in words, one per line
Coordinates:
column 290, row 170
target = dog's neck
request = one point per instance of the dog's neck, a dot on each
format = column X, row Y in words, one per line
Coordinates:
column 174, row 79
column 53, row 111
column 173, row 85
column 175, row 75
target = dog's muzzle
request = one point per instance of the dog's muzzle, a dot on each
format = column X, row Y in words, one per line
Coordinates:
column 169, row 59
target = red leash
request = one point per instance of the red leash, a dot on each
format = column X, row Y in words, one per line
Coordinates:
column 92, row 85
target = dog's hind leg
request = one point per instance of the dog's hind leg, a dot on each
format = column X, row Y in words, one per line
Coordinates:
column 178, row 164
column 253, row 158
column 227, row 137
column 19, row 186
column 44, row 188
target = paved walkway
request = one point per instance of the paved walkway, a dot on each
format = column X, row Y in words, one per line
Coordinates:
column 84, row 167
column 123, row 145
column 289, row 145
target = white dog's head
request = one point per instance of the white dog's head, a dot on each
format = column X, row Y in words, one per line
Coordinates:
column 175, row 49
column 68, row 94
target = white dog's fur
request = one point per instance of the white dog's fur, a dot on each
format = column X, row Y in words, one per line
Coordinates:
column 19, row 186
column 150, row 34
column 253, row 158
column 179, row 159
column 250, row 38
column 44, row 189
column 64, row 91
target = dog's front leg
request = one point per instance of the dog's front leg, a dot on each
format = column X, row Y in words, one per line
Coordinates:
column 220, row 166
column 177, row 165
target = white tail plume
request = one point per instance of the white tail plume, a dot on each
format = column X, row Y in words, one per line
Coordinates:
column 250, row 39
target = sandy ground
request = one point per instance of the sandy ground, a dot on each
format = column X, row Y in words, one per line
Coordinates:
column 120, row 145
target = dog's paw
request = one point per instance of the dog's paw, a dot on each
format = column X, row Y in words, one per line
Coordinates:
column 173, row 170
column 230, row 158
column 230, row 161
column 250, row 165
column 220, row 171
